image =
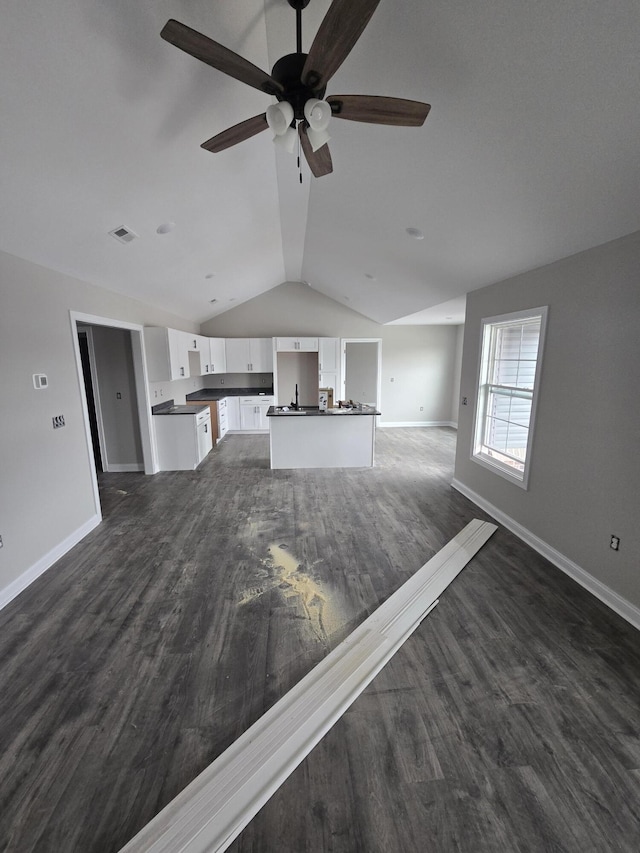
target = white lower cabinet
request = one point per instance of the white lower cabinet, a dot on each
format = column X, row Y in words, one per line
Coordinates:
column 253, row 413
column 233, row 413
column 223, row 418
column 182, row 441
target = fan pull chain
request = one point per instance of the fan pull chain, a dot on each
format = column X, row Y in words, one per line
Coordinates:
column 299, row 169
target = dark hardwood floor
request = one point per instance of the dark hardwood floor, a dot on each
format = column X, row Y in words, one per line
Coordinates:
column 509, row 721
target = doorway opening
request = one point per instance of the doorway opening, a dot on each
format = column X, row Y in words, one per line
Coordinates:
column 138, row 410
column 362, row 370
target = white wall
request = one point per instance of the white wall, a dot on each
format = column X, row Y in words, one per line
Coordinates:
column 457, row 371
column 418, row 362
column 361, row 381
column 585, row 474
column 46, row 491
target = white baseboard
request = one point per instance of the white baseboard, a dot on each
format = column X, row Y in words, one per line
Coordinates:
column 124, row 467
column 26, row 578
column 394, row 424
column 607, row 595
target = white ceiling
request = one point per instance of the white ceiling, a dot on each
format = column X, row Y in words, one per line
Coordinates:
column 531, row 151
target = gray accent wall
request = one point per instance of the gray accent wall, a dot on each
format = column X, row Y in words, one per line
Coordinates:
column 585, row 463
column 418, row 362
column 46, row 490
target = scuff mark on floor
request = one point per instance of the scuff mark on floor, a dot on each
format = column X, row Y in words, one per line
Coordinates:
column 285, row 572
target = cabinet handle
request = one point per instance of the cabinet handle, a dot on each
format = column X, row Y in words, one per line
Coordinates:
column 206, row 368
column 195, row 344
column 206, row 427
column 182, row 371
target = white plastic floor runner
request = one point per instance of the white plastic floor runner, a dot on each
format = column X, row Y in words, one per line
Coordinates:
column 221, row 801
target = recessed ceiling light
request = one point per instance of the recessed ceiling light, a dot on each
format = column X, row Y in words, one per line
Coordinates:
column 369, row 276
column 165, row 228
column 213, row 300
column 210, row 275
column 416, row 233
column 346, row 299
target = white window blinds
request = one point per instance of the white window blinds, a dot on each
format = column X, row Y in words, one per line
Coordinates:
column 507, row 384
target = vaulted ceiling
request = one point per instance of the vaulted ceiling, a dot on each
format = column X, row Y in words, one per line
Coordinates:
column 530, row 152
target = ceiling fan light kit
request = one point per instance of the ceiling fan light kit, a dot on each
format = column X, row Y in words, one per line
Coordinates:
column 299, row 80
column 279, row 117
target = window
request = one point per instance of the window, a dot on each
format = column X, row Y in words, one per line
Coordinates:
column 507, row 388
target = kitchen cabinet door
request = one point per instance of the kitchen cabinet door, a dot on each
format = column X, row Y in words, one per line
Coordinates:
column 249, row 417
column 249, row 355
column 297, row 344
column 217, row 356
column 233, row 413
column 261, row 350
column 263, row 408
column 199, row 354
column 167, row 353
column 329, row 379
column 328, row 355
column 253, row 413
column 238, row 355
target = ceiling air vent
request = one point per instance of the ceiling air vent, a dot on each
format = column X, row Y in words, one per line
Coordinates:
column 124, row 235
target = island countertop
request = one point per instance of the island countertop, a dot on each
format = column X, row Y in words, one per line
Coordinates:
column 288, row 411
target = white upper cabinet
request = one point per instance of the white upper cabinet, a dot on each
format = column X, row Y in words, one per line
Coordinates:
column 328, row 354
column 217, row 356
column 199, row 354
column 329, row 365
column 297, row 344
column 249, row 355
column 261, row 355
column 167, row 352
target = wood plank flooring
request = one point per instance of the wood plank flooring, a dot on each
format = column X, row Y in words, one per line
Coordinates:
column 510, row 721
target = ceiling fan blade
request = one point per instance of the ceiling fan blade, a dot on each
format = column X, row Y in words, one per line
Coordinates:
column 319, row 161
column 235, row 134
column 339, row 31
column 218, row 56
column 379, row 110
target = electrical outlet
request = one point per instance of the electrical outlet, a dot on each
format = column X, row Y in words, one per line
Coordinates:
column 118, row 395
column 614, row 544
column 58, row 421
column 464, row 401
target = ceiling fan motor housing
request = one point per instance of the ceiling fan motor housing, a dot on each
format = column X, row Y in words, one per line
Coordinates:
column 288, row 72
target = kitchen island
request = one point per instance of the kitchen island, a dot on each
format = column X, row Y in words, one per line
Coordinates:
column 311, row 438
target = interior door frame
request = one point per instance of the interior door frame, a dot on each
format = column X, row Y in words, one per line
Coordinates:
column 88, row 331
column 343, row 364
column 149, row 451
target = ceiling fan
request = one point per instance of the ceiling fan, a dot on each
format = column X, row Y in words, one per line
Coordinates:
column 298, row 81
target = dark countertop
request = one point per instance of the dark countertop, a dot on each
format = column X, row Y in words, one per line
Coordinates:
column 278, row 412
column 212, row 394
column 168, row 408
